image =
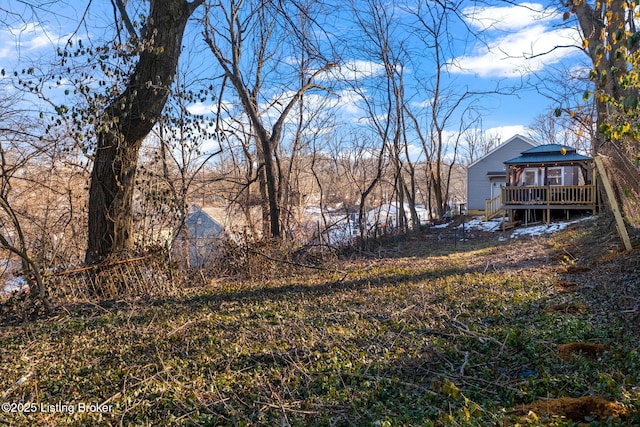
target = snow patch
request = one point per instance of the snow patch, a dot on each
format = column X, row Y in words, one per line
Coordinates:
column 17, row 284
column 476, row 223
column 539, row 230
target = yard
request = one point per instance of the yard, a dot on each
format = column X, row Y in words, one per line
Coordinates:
column 426, row 333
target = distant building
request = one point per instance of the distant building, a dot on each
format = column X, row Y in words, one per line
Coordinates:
column 386, row 215
column 487, row 175
column 200, row 236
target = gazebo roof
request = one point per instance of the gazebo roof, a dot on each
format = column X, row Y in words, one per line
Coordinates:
column 549, row 153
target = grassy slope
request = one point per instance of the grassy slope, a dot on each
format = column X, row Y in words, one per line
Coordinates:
column 457, row 338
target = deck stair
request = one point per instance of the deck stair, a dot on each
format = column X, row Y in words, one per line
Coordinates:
column 493, row 207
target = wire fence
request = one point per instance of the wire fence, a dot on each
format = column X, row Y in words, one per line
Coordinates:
column 149, row 275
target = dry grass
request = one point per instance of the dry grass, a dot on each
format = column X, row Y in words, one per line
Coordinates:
column 426, row 335
column 576, row 409
column 567, row 308
column 592, row 351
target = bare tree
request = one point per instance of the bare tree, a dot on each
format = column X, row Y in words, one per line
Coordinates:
column 383, row 98
column 127, row 120
column 566, row 129
column 476, row 143
column 35, row 185
column 182, row 147
column 612, row 42
column 447, row 104
column 573, row 120
column 248, row 39
column 12, row 235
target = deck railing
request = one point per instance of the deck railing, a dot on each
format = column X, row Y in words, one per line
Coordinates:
column 492, row 207
column 575, row 195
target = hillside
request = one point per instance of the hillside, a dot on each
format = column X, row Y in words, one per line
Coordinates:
column 425, row 333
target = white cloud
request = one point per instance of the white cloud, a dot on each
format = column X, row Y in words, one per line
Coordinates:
column 29, row 36
column 416, row 153
column 201, row 108
column 348, row 103
column 503, row 133
column 5, row 52
column 345, row 104
column 353, row 70
column 523, row 41
column 507, row 18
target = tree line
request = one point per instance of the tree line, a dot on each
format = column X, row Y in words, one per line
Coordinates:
column 274, row 84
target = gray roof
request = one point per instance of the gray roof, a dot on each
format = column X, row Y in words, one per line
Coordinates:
column 503, row 145
column 549, row 153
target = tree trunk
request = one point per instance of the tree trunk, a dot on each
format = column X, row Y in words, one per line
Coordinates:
column 272, row 187
column 264, row 198
column 125, row 123
column 611, row 41
column 438, row 190
column 607, row 63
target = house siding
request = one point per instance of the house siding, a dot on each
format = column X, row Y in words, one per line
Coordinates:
column 479, row 182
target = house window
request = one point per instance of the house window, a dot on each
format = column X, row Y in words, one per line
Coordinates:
column 555, row 176
column 530, row 177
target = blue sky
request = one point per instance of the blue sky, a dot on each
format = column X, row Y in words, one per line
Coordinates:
column 514, row 39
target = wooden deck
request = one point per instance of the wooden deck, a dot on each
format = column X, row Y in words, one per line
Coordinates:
column 550, row 197
column 545, row 198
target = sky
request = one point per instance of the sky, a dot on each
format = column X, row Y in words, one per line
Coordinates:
column 517, row 47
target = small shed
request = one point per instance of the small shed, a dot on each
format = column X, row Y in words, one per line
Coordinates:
column 200, row 235
column 487, row 175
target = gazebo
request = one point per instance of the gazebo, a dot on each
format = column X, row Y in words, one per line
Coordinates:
column 549, row 177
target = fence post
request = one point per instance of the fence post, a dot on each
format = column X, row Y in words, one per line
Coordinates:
column 613, row 203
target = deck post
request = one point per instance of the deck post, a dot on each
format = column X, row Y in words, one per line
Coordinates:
column 504, row 220
column 595, row 196
column 613, row 203
column 548, row 203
